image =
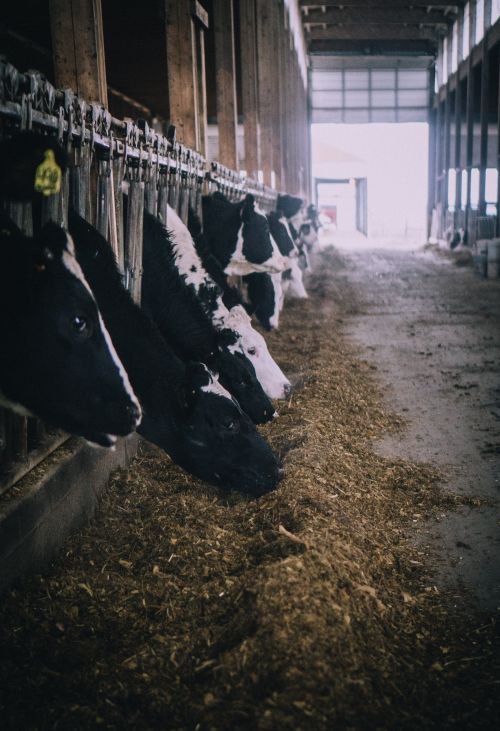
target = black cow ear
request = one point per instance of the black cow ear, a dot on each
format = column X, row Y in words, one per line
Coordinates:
column 50, row 243
column 248, row 206
column 226, row 337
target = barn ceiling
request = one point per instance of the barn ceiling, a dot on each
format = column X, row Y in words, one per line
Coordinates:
column 375, row 26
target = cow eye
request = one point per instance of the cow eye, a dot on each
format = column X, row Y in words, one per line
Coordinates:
column 252, row 351
column 81, row 325
column 232, row 425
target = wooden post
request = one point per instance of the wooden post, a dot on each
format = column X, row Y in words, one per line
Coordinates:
column 469, row 121
column 248, row 43
column 181, row 73
column 483, row 122
column 265, row 73
column 458, row 147
column 225, row 76
column 78, row 47
column 446, row 145
column 276, row 110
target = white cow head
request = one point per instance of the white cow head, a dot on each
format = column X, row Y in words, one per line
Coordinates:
column 252, row 344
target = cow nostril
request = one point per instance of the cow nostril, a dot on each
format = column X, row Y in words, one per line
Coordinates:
column 287, row 389
column 281, row 473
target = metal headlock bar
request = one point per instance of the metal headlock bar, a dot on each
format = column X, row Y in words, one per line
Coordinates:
column 105, row 155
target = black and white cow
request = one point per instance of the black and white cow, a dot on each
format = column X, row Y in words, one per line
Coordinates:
column 265, row 296
column 58, row 362
column 249, row 343
column 186, row 411
column 177, row 296
column 292, row 284
column 239, row 237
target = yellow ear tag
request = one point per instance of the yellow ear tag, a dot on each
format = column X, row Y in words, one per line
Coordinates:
column 48, row 175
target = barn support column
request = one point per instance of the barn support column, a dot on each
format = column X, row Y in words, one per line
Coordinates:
column 431, row 200
column 446, row 145
column 78, row 47
column 275, row 9
column 265, row 74
column 458, row 148
column 227, row 121
column 498, row 162
column 469, row 122
column 431, row 118
column 248, row 43
column 182, row 73
column 483, row 121
column 439, row 155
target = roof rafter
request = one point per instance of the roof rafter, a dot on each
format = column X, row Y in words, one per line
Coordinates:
column 336, row 16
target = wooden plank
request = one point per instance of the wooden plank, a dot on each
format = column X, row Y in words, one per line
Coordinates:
column 248, row 44
column 225, row 78
column 275, row 83
column 181, row 72
column 458, row 145
column 78, row 47
column 265, row 72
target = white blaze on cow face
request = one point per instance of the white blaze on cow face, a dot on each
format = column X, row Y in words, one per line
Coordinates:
column 71, row 264
column 239, row 266
column 251, row 343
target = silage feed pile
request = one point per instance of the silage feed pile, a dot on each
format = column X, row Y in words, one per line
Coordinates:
column 181, row 607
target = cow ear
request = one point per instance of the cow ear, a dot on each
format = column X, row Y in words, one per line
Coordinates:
column 226, row 337
column 51, row 242
column 247, row 207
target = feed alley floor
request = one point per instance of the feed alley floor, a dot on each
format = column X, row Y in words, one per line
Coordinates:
column 362, row 594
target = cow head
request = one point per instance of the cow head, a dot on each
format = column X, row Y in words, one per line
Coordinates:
column 239, row 236
column 58, row 362
column 251, row 343
column 237, row 374
column 289, row 205
column 280, row 231
column 217, row 442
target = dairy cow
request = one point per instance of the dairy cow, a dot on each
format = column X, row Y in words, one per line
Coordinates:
column 249, row 343
column 58, row 362
column 239, row 237
column 186, row 411
column 188, row 310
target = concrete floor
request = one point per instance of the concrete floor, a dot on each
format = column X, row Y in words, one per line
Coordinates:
column 432, row 328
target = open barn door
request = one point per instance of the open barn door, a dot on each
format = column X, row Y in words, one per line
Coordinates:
column 353, row 89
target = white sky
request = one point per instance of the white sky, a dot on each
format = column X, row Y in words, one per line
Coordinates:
column 394, row 159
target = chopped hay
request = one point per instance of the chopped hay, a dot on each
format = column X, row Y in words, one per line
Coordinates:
column 182, row 607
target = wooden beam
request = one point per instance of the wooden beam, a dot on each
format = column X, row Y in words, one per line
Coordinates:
column 275, row 85
column 181, row 70
column 361, row 32
column 78, row 47
column 248, row 43
column 225, row 79
column 483, row 123
column 305, row 4
column 386, row 14
column 265, row 72
column 372, row 47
